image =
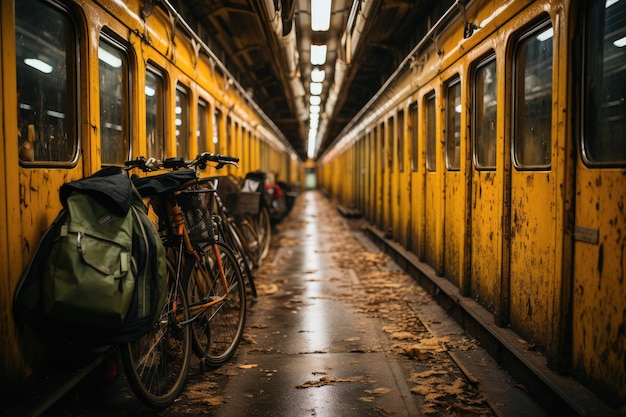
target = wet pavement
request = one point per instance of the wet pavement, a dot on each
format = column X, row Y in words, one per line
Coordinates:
column 337, row 330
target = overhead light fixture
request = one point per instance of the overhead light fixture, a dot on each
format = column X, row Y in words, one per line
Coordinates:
column 314, row 109
column 620, row 42
column 109, row 58
column 545, row 35
column 318, row 54
column 39, row 65
column 311, row 148
column 320, row 15
column 150, row 91
column 318, row 75
column 316, row 89
column 316, row 100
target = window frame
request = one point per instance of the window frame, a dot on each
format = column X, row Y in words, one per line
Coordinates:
column 161, row 75
column 539, row 27
column 482, row 63
column 431, row 131
column 73, row 93
column 119, row 45
column 587, row 49
column 453, row 84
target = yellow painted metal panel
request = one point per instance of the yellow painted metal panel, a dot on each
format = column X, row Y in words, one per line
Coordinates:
column 533, row 251
column 454, row 225
column 599, row 298
column 486, row 238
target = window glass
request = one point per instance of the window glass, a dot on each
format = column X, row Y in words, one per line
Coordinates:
column 201, row 133
column 604, row 141
column 431, row 134
column 114, row 103
column 389, row 127
column 413, row 132
column 485, row 112
column 400, row 135
column 532, row 143
column 453, row 125
column 182, row 122
column 46, row 72
column 380, row 138
column 155, row 114
column 217, row 117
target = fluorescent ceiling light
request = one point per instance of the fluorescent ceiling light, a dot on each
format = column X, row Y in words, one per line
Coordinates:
column 317, row 100
column 320, row 15
column 314, row 109
column 150, row 91
column 317, row 75
column 39, row 65
column 544, row 36
column 620, row 42
column 316, row 89
column 109, row 58
column 318, row 54
column 311, row 148
column 314, row 116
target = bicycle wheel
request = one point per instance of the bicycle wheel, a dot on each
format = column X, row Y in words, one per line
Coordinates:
column 217, row 329
column 264, row 231
column 247, row 263
column 156, row 365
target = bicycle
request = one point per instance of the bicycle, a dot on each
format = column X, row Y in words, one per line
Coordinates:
column 206, row 307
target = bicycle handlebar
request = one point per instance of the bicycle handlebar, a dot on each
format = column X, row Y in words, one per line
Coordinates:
column 200, row 161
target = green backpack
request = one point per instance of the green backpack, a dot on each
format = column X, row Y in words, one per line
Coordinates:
column 100, row 267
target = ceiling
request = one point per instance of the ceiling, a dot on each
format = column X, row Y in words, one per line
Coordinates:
column 266, row 44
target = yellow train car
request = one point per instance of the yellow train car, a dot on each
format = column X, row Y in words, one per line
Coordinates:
column 499, row 145
column 86, row 84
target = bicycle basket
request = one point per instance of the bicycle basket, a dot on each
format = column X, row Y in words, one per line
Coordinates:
column 247, row 203
column 198, row 221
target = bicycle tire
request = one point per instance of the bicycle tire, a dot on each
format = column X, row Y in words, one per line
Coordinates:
column 156, row 365
column 245, row 258
column 217, row 331
column 264, row 225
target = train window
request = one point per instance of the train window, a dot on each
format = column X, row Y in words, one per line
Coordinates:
column 217, row 118
column 114, row 102
column 532, row 143
column 413, row 133
column 155, row 114
column 485, row 112
column 431, row 134
column 182, row 122
column 453, row 125
column 46, row 72
column 201, row 133
column 389, row 128
column 604, row 83
column 400, row 135
column 380, row 138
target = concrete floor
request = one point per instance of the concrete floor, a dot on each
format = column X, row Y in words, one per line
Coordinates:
column 337, row 330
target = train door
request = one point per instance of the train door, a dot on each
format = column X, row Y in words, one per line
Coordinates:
column 404, row 189
column 388, row 187
column 432, row 189
column 381, row 160
column 533, row 188
column 416, row 238
column 454, row 186
column 394, row 184
column 599, row 267
column 485, row 211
